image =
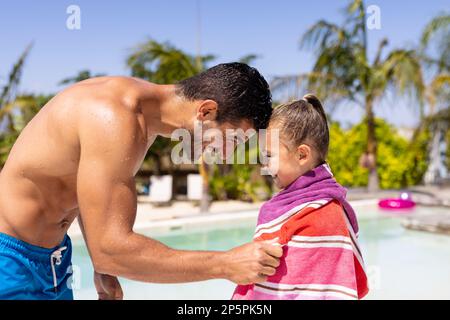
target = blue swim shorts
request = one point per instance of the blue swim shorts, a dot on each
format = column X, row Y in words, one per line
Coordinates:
column 29, row 272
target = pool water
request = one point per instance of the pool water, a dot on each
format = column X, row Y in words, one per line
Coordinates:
column 401, row 264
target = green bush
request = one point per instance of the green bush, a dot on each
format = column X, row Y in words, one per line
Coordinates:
column 6, row 143
column 345, row 150
column 399, row 163
column 416, row 158
column 239, row 181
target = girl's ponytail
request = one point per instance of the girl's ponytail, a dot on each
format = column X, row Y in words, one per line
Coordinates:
column 315, row 102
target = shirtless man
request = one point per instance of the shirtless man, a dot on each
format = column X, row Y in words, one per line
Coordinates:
column 78, row 157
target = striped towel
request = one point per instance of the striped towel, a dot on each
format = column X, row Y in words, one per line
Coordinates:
column 318, row 230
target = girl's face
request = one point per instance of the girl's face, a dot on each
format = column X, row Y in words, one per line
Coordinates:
column 286, row 164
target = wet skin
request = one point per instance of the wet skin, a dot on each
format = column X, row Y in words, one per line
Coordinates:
column 78, row 157
column 38, row 184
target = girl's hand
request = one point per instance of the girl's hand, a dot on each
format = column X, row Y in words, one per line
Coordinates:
column 108, row 287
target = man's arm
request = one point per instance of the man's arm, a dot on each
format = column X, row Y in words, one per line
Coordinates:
column 108, row 287
column 112, row 147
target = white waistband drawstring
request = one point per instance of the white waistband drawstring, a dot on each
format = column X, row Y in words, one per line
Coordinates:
column 56, row 255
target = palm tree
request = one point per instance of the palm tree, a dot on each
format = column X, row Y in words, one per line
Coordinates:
column 343, row 71
column 9, row 90
column 16, row 110
column 165, row 64
column 436, row 34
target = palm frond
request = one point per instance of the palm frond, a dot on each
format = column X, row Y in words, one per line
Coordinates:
column 163, row 63
column 437, row 24
column 402, row 68
column 355, row 6
column 288, row 87
column 8, row 91
column 439, row 90
column 383, row 43
column 438, row 30
column 356, row 21
column 344, row 70
column 323, row 34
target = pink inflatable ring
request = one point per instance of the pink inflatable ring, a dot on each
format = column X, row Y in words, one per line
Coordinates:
column 396, row 203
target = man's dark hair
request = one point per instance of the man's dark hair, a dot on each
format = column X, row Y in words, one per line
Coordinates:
column 240, row 91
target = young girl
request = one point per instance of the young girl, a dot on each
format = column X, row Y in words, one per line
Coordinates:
column 309, row 217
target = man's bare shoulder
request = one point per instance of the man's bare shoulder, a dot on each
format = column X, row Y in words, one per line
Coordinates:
column 109, row 111
column 101, row 115
column 114, row 135
column 111, row 118
column 123, row 91
column 102, row 96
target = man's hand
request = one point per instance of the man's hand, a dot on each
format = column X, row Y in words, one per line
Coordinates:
column 252, row 262
column 108, row 287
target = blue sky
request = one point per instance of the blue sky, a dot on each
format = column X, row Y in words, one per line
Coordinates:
column 229, row 29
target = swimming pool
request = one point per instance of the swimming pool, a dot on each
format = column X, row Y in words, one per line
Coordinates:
column 402, row 264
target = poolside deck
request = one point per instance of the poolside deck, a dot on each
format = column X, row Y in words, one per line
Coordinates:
column 148, row 213
column 436, row 223
column 422, row 195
